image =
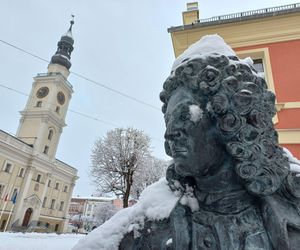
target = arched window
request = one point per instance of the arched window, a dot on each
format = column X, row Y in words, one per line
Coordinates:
column 50, row 134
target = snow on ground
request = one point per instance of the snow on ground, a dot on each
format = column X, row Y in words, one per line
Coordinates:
column 38, row 241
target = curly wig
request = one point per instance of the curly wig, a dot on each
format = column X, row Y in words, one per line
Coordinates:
column 238, row 102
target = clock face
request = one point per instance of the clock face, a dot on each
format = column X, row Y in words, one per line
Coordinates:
column 42, row 92
column 61, row 98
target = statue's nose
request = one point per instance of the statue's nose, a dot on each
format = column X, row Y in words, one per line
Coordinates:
column 172, row 132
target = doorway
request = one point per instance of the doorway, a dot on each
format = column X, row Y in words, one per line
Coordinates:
column 27, row 217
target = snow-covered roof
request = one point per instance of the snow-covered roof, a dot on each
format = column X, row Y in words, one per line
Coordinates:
column 95, row 198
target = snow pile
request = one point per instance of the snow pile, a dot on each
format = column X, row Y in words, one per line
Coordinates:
column 248, row 61
column 206, row 45
column 196, row 113
column 188, row 199
column 293, row 161
column 156, row 203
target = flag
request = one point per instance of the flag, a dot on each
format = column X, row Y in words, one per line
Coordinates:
column 14, row 198
column 6, row 197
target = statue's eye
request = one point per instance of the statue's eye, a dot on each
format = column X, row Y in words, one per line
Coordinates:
column 184, row 116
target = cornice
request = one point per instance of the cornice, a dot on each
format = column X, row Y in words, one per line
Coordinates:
column 242, row 34
column 287, row 105
column 289, row 136
column 45, row 114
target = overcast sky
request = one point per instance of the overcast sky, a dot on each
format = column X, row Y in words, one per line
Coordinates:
column 121, row 44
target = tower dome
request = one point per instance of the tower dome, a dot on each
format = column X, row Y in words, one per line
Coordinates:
column 64, row 48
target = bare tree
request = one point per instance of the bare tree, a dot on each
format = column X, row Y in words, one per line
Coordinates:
column 104, row 212
column 116, row 158
column 148, row 174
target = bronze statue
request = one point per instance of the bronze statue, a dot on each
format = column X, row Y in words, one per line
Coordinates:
column 219, row 132
column 236, row 188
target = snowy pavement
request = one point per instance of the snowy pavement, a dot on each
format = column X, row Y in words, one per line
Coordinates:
column 38, row 241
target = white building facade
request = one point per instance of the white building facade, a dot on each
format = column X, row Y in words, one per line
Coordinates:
column 35, row 187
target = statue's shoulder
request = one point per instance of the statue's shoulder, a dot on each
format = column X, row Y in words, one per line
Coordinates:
column 154, row 235
column 282, row 222
column 157, row 203
column 161, row 234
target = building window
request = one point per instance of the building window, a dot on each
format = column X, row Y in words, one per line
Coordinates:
column 61, row 207
column 21, row 173
column 258, row 65
column 36, row 187
column 44, row 202
column 56, row 227
column 38, row 224
column 89, row 208
column 50, row 134
column 2, row 187
column 46, row 149
column 57, row 109
column 39, row 104
column 47, row 225
column 56, row 185
column 38, row 178
column 66, row 189
column 7, row 167
column 52, row 204
column 49, row 183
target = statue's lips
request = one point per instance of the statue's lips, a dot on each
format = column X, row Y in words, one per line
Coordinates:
column 179, row 153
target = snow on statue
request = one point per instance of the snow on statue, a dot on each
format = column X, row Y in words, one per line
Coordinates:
column 230, row 185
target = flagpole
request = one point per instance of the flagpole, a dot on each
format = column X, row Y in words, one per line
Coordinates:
column 13, row 200
column 7, row 196
column 9, row 217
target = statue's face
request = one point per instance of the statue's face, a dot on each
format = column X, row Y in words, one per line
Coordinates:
column 191, row 138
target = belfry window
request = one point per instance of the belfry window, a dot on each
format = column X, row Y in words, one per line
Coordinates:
column 50, row 134
column 57, row 109
column 46, row 149
column 38, row 178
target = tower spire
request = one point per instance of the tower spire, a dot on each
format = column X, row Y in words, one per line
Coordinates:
column 64, row 48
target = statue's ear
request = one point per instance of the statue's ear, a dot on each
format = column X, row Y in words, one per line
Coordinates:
column 167, row 149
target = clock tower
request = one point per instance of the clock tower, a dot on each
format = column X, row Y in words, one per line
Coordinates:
column 43, row 118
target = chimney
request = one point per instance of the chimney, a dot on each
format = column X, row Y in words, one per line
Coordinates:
column 191, row 15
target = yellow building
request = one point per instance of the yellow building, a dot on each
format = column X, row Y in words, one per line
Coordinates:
column 35, row 187
column 271, row 37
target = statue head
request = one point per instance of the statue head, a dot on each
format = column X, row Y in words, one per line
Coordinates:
column 218, row 108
